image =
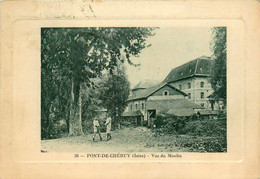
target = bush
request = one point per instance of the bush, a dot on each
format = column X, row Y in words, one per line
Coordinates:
column 207, row 127
column 56, row 129
column 207, row 135
column 194, row 117
column 145, row 123
column 169, row 124
column 200, row 144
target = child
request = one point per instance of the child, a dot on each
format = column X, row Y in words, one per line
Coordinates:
column 108, row 125
column 96, row 129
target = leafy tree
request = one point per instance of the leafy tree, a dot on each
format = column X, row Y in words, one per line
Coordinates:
column 219, row 47
column 90, row 103
column 71, row 57
column 115, row 91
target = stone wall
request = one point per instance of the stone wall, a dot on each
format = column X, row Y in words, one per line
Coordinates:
column 195, row 89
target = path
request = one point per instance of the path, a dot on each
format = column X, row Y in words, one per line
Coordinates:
column 130, row 139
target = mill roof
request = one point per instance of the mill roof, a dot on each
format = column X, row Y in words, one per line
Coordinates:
column 181, row 112
column 144, row 93
column 166, row 105
column 198, row 67
column 208, row 112
column 147, row 83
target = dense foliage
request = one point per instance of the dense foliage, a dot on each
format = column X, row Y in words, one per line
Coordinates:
column 198, row 135
column 116, row 89
column 219, row 70
column 70, row 59
column 201, row 144
column 170, row 124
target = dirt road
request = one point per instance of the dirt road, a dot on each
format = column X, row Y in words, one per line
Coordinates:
column 129, row 139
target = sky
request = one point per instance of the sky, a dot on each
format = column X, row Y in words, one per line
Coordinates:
column 171, row 47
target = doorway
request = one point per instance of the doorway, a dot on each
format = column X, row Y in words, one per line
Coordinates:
column 151, row 117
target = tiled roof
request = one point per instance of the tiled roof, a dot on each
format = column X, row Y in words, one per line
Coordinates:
column 144, row 93
column 208, row 112
column 181, row 112
column 146, row 84
column 200, row 67
column 132, row 114
column 172, row 104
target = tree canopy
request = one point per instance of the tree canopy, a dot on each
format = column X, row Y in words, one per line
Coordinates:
column 219, row 71
column 71, row 57
column 115, row 91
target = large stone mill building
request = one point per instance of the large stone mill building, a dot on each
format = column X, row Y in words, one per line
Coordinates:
column 183, row 92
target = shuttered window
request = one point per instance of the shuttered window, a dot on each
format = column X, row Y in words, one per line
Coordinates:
column 202, row 84
column 189, row 86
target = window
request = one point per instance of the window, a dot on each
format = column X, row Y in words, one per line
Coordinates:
column 202, row 95
column 166, row 93
column 135, row 106
column 189, row 96
column 202, row 105
column 142, row 105
column 189, row 86
column 202, row 84
column 131, row 107
column 180, row 87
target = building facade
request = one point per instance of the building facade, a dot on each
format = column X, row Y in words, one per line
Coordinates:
column 145, row 103
column 185, row 91
column 193, row 78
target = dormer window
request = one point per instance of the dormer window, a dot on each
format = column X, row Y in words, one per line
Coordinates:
column 179, row 87
column 166, row 93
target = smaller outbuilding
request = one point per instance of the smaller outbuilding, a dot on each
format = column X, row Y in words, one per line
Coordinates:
column 134, row 117
column 145, row 103
column 208, row 114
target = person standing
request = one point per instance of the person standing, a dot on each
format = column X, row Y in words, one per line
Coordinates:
column 108, row 126
column 96, row 129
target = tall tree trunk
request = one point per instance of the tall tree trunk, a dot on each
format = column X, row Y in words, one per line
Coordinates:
column 75, row 124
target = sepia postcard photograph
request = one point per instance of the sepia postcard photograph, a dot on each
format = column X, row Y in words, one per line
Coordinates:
column 149, row 89
column 133, row 89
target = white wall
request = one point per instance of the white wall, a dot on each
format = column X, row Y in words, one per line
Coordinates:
column 196, row 89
